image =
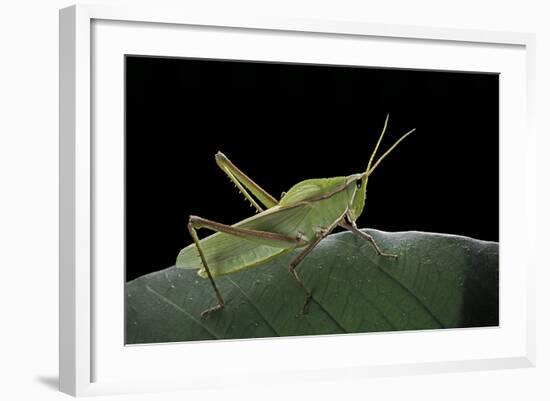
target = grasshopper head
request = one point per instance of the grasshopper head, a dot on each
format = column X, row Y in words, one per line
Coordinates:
column 357, row 184
column 360, row 180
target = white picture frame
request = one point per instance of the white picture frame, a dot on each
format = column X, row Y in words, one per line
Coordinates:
column 92, row 353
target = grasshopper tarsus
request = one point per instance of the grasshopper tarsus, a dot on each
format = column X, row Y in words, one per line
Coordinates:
column 353, row 228
column 207, row 312
column 384, row 254
column 389, row 255
column 306, row 303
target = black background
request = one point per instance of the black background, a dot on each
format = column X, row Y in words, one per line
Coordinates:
column 282, row 123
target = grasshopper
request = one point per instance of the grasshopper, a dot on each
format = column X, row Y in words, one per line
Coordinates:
column 305, row 214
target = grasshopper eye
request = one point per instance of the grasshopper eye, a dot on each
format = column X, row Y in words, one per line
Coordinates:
column 359, row 183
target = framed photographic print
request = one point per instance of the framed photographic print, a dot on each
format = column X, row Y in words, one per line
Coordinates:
column 214, row 174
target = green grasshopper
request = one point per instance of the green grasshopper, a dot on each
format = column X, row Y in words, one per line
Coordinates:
column 304, row 215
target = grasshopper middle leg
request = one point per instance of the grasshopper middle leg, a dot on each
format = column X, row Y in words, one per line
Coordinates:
column 294, row 263
column 321, row 233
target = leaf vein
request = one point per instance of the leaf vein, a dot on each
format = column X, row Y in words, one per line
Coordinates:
column 180, row 309
column 407, row 289
column 254, row 306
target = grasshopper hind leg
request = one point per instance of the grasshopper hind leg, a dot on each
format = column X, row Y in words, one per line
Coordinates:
column 221, row 303
column 196, row 222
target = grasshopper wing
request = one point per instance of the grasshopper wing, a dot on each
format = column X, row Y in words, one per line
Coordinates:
column 227, row 253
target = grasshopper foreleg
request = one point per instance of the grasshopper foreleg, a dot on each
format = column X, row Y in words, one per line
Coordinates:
column 353, row 228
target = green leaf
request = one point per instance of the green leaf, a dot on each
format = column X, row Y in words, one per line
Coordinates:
column 438, row 281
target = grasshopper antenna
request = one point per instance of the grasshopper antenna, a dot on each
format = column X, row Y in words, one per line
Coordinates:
column 371, row 169
column 377, row 145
